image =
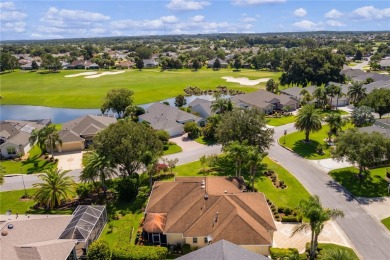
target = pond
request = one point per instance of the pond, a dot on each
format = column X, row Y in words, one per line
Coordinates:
column 61, row 115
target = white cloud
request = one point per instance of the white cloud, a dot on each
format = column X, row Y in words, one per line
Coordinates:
column 18, row 27
column 256, row 2
column 73, row 15
column 169, row 19
column 7, row 5
column 300, row 12
column 197, row 18
column 334, row 23
column 334, row 14
column 186, row 5
column 308, row 25
column 138, row 24
column 371, row 13
column 247, row 19
column 12, row 16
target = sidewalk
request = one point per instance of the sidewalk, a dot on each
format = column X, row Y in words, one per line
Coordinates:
column 379, row 208
column 330, row 164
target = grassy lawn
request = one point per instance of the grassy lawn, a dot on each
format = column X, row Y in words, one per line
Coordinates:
column 205, row 141
column 324, row 113
column 33, row 164
column 10, row 200
column 386, row 222
column 330, row 247
column 289, row 197
column 280, row 121
column 374, row 185
column 149, row 85
column 295, row 141
column 173, row 148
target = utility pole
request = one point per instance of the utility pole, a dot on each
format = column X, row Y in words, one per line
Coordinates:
column 25, row 192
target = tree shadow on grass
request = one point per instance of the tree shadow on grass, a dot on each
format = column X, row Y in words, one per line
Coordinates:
column 368, row 186
column 35, row 164
column 304, row 149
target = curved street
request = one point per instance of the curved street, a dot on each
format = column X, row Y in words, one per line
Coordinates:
column 369, row 238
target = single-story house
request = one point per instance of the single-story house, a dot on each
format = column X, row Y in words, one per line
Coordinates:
column 223, row 250
column 41, row 237
column 202, row 210
column 201, row 106
column 92, row 66
column 380, row 125
column 385, row 63
column 377, row 85
column 224, row 64
column 266, row 101
column 125, row 65
column 150, row 63
column 15, row 135
column 351, row 73
column 374, row 76
column 79, row 64
column 77, row 134
column 170, row 119
column 28, row 66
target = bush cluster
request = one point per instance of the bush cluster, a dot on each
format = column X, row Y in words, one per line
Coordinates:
column 125, row 251
column 283, row 253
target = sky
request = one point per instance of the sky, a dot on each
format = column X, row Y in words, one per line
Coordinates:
column 45, row 19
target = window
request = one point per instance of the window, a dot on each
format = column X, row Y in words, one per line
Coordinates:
column 205, row 240
column 11, row 150
column 195, row 240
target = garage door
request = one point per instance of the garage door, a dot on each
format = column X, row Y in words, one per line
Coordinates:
column 69, row 147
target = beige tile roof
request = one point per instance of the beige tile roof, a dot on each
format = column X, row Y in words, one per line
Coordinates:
column 225, row 213
column 18, row 132
column 263, row 98
column 51, row 249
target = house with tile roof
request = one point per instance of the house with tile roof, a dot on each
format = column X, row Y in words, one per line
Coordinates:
column 15, row 135
column 380, row 125
column 202, row 210
column 265, row 101
column 201, row 106
column 78, row 133
column 168, row 118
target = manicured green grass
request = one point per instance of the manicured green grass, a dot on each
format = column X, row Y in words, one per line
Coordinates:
column 351, row 64
column 205, row 141
column 173, row 148
column 33, row 164
column 11, row 200
column 324, row 113
column 295, row 141
column 331, row 247
column 149, row 85
column 280, row 120
column 373, row 185
column 289, row 197
column 386, row 222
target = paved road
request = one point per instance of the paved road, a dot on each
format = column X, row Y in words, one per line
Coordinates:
column 370, row 239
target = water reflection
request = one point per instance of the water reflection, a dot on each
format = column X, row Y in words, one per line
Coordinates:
column 61, row 115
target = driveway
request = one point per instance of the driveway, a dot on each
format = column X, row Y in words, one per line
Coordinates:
column 69, row 161
column 331, row 233
column 329, row 164
column 186, row 143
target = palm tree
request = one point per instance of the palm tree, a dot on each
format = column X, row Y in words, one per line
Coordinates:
column 306, row 97
column 237, row 151
column 254, row 163
column 56, row 187
column 330, row 91
column 312, row 210
column 356, row 92
column 338, row 93
column 46, row 137
column 220, row 105
column 337, row 254
column 211, row 126
column 97, row 167
column 335, row 122
column 308, row 120
column 320, row 94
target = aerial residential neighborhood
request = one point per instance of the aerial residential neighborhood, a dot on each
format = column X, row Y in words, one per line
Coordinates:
column 194, row 129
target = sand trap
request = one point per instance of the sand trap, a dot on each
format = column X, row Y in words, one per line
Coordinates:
column 103, row 74
column 245, row 81
column 81, row 74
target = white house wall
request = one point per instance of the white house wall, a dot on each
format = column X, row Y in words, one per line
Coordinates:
column 175, row 238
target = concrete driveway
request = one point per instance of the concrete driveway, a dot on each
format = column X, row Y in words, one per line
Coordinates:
column 69, row 161
column 186, row 143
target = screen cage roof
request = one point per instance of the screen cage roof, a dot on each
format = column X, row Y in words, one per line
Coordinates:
column 85, row 219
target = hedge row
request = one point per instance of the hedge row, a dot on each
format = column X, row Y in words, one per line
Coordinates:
column 282, row 253
column 124, row 252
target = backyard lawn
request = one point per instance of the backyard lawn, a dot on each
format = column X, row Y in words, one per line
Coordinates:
column 283, row 120
column 386, row 222
column 331, row 247
column 205, row 141
column 173, row 148
column 149, row 85
column 33, row 164
column 295, row 141
column 374, row 185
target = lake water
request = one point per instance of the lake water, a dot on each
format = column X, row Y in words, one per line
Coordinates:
column 61, row 115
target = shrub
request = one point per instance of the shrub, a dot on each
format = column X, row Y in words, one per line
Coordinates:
column 287, row 211
column 290, row 219
column 282, row 253
column 165, row 147
column 99, row 250
column 163, row 136
column 84, row 189
column 186, row 248
column 125, row 251
column 127, row 188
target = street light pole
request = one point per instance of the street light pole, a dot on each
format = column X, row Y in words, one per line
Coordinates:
column 284, row 139
column 25, row 192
